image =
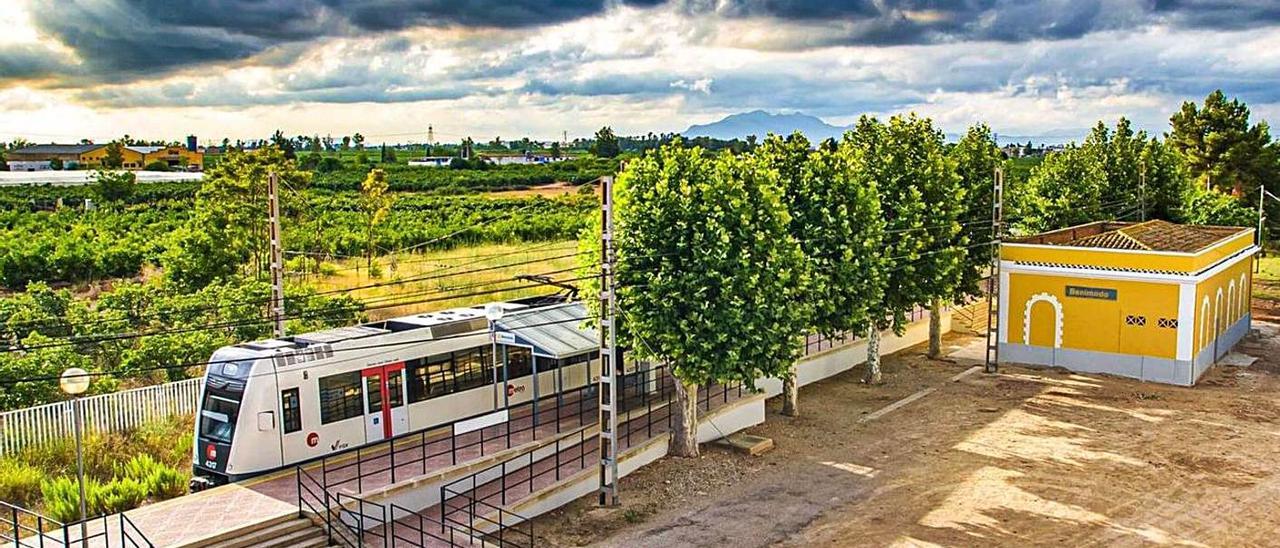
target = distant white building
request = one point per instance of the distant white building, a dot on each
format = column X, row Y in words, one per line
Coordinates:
column 518, row 159
column 432, row 161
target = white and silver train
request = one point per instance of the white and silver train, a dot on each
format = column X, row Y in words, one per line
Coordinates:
column 271, row 404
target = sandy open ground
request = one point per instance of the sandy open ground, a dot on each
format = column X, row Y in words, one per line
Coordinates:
column 1026, row 457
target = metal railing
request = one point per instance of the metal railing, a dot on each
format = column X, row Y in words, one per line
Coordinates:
column 411, row 453
column 23, row 528
column 117, row 411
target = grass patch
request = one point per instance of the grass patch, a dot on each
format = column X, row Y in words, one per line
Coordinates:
column 501, row 262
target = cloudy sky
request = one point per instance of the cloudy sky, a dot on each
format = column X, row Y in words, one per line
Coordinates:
column 388, row 68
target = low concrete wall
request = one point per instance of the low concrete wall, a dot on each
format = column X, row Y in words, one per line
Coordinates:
column 830, row 363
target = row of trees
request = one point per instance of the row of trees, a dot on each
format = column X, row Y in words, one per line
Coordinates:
column 723, row 260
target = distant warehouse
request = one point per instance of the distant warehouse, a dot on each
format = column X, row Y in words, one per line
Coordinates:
column 54, row 156
column 1153, row 300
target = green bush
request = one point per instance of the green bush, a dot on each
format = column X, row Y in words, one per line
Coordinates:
column 62, row 497
column 117, row 496
column 20, row 483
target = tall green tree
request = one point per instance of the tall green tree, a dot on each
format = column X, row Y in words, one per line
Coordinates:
column 976, row 158
column 606, row 145
column 1220, row 148
column 900, row 172
column 114, row 159
column 229, row 225
column 836, row 219
column 1119, row 152
column 114, row 186
column 375, row 202
column 708, row 274
column 1166, row 182
column 1064, row 190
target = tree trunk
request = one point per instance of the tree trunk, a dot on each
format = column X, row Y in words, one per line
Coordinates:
column 935, row 328
column 684, row 436
column 873, row 375
column 790, row 394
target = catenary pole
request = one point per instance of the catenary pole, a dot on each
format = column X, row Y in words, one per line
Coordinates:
column 992, row 364
column 608, row 386
column 277, row 264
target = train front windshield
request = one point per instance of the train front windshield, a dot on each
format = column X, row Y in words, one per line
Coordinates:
column 223, row 392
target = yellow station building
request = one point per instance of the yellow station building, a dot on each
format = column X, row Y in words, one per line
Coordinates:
column 1153, row 300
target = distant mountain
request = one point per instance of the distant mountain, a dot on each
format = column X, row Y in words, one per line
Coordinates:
column 761, row 123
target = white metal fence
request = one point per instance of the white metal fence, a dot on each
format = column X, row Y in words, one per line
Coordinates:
column 117, row 411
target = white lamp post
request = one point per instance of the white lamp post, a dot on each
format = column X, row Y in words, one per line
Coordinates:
column 494, row 312
column 74, row 382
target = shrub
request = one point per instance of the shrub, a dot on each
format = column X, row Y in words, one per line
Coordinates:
column 62, row 497
column 20, row 483
column 157, row 166
column 117, row 496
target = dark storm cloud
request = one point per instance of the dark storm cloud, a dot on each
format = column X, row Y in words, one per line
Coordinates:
column 30, row 62
column 119, row 39
column 892, row 22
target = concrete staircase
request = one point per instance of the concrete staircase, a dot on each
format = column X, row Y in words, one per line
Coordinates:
column 285, row 532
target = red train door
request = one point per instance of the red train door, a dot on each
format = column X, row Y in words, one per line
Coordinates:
column 385, row 413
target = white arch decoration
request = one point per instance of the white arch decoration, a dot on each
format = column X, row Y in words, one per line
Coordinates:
column 1244, row 295
column 1231, row 302
column 1217, row 316
column 1057, row 318
column 1204, row 319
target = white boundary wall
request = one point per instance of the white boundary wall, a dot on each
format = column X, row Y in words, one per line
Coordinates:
column 117, row 411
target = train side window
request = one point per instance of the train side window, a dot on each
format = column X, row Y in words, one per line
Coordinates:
column 290, row 411
column 470, row 369
column 340, row 397
column 440, row 372
column 419, row 387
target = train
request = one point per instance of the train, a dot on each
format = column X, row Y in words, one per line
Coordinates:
column 275, row 403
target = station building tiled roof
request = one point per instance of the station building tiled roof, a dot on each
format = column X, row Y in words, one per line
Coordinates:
column 1155, row 235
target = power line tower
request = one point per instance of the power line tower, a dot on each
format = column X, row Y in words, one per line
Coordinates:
column 608, row 386
column 993, row 281
column 277, row 263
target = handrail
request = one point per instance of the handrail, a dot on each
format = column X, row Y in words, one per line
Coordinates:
column 51, row 533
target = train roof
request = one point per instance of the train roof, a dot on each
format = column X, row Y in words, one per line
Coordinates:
column 437, row 324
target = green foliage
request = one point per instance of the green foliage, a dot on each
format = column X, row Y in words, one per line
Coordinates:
column 606, row 143
column 55, row 164
column 1219, row 146
column 1208, row 206
column 157, row 165
column 976, row 157
column 61, row 497
column 158, row 481
column 708, row 273
column 20, row 483
column 903, row 176
column 469, row 175
column 117, row 496
column 114, row 186
column 836, row 218
column 114, row 158
column 1064, row 190
column 375, row 202
column 1167, row 183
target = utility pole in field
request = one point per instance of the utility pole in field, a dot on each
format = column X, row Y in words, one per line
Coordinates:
column 993, row 281
column 1142, row 194
column 608, row 386
column 277, row 264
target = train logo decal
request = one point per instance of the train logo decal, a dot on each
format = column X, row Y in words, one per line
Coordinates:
column 313, row 439
column 338, row 445
column 513, row 390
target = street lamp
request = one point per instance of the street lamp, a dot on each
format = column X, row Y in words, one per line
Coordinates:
column 494, row 312
column 74, row 382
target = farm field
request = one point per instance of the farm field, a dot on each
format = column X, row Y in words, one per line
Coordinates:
column 1026, row 457
column 442, row 274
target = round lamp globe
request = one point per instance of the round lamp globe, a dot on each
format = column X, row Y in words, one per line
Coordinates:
column 74, row 381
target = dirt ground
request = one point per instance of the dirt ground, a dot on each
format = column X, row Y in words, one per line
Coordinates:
column 1026, row 457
